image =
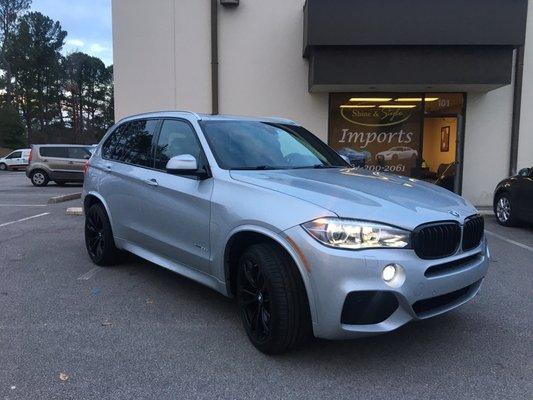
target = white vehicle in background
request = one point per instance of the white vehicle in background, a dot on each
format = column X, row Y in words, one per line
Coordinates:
column 397, row 153
column 16, row 159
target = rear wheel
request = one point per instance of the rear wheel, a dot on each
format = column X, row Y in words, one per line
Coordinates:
column 272, row 299
column 99, row 237
column 504, row 211
column 39, row 178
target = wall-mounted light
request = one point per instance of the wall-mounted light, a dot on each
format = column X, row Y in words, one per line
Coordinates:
column 229, row 3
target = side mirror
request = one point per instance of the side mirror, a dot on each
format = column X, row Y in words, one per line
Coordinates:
column 182, row 164
column 524, row 172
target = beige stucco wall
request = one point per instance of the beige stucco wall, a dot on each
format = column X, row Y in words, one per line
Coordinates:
column 262, row 71
column 487, row 143
column 162, row 61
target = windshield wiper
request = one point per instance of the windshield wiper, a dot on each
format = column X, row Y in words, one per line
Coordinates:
column 256, row 168
column 317, row 166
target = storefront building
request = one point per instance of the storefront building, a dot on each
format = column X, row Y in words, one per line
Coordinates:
column 436, row 90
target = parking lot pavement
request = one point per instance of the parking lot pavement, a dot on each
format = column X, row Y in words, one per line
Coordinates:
column 138, row 331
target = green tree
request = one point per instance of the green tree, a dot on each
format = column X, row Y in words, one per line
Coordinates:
column 10, row 10
column 11, row 128
column 88, row 93
column 34, row 54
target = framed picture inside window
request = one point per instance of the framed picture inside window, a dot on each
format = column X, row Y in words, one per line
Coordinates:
column 445, row 139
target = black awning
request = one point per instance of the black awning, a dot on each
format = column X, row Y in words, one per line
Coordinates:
column 465, row 68
column 455, row 45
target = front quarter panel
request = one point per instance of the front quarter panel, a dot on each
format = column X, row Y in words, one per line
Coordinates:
column 238, row 206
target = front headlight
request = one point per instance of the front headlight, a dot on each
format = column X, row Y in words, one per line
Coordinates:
column 353, row 234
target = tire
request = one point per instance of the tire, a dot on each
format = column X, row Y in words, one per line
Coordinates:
column 39, row 178
column 503, row 210
column 99, row 237
column 3, row 167
column 272, row 300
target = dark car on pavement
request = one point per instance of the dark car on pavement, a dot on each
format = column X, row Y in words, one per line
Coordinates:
column 513, row 199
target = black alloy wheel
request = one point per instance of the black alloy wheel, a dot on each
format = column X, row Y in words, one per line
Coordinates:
column 272, row 299
column 254, row 299
column 99, row 237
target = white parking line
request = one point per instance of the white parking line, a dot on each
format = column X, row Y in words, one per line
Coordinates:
column 23, row 205
column 89, row 274
column 522, row 245
column 23, row 219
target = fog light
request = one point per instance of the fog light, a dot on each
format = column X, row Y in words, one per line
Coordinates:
column 389, row 272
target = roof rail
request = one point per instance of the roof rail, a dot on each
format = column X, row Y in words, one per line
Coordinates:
column 195, row 115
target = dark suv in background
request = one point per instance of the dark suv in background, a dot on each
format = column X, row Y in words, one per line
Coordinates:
column 60, row 163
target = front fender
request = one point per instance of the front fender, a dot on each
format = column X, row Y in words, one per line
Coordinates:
column 285, row 242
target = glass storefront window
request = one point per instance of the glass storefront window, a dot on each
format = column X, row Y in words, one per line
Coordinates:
column 412, row 134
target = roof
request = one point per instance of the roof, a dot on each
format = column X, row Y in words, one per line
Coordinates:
column 205, row 117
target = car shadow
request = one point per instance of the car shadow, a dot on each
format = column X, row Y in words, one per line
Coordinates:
column 437, row 337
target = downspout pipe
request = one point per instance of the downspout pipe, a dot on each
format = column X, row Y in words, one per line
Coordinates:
column 214, row 57
column 517, row 105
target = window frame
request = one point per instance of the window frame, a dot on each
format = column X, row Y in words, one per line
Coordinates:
column 203, row 163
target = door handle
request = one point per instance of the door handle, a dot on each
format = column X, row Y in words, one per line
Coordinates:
column 71, row 162
column 108, row 167
column 151, row 182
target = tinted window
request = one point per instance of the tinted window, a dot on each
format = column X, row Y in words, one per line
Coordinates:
column 58, row 152
column 176, row 138
column 79, row 153
column 260, row 145
column 16, row 154
column 110, row 149
column 131, row 143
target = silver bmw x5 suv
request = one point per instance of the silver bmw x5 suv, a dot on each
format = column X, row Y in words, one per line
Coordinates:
column 261, row 210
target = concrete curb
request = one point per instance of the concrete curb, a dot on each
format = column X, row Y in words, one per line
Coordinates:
column 66, row 197
column 486, row 212
column 78, row 211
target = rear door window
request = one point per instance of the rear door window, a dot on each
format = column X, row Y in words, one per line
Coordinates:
column 136, row 143
column 78, row 153
column 56, row 152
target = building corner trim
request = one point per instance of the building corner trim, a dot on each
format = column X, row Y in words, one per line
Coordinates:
column 517, row 106
column 214, row 57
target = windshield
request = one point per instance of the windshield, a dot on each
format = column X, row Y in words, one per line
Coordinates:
column 262, row 145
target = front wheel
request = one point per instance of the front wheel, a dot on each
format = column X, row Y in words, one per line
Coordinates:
column 272, row 299
column 99, row 237
column 504, row 211
column 3, row 167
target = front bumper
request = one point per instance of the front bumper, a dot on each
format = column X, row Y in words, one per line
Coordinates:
column 336, row 277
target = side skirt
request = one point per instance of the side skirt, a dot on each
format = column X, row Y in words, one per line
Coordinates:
column 191, row 273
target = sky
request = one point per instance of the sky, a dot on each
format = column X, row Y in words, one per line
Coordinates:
column 88, row 23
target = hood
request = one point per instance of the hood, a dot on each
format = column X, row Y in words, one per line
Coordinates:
column 361, row 194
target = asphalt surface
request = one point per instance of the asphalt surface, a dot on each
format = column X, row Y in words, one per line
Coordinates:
column 139, row 331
